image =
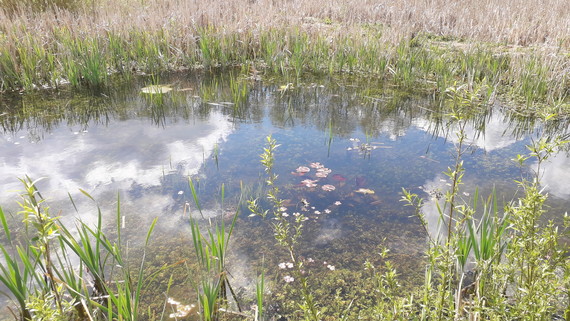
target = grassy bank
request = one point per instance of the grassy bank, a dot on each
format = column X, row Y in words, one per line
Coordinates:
column 522, row 52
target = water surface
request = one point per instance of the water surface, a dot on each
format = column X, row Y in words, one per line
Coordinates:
column 372, row 138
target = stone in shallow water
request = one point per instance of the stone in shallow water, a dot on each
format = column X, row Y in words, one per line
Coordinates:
column 364, row 191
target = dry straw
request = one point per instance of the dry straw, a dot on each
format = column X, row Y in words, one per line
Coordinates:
column 516, row 22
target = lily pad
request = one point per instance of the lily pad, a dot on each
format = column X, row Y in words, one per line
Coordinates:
column 156, row 89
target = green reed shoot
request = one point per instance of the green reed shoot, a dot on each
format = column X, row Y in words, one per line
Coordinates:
column 89, row 248
column 259, row 295
column 124, row 299
column 79, row 295
column 205, row 44
column 33, row 276
column 487, row 236
column 211, row 249
column 94, row 65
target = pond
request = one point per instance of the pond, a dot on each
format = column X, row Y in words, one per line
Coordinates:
column 347, row 148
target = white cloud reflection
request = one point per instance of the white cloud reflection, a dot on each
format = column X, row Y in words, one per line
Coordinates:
column 435, row 188
column 556, row 175
column 104, row 160
column 494, row 136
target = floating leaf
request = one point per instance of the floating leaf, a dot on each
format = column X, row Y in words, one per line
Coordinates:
column 338, row 178
column 309, row 183
column 328, row 188
column 303, row 169
column 317, row 165
column 156, row 89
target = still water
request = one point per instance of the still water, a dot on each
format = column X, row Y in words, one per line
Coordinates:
column 371, row 140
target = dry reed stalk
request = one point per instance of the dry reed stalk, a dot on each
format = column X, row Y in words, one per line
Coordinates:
column 516, row 22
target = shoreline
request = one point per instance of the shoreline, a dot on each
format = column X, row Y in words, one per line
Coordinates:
column 84, row 44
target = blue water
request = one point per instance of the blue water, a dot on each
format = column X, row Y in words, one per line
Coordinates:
column 120, row 142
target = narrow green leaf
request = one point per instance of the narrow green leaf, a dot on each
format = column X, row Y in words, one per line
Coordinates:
column 72, row 202
column 87, row 194
column 5, row 225
column 195, row 196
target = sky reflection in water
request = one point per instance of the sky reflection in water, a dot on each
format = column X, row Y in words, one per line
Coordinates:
column 147, row 153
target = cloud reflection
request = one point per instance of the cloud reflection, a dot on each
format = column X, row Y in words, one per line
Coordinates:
column 556, row 176
column 435, row 188
column 119, row 157
column 493, row 136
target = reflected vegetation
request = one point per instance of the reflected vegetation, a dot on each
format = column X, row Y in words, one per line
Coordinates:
column 345, row 105
column 373, row 140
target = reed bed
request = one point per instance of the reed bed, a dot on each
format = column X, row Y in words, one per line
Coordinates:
column 516, row 22
column 519, row 48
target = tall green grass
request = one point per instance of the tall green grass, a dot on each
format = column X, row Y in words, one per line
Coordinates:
column 42, row 277
column 28, row 61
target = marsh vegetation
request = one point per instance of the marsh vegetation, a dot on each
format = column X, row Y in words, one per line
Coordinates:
column 297, row 160
column 431, row 44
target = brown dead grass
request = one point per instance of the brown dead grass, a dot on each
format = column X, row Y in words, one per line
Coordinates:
column 513, row 22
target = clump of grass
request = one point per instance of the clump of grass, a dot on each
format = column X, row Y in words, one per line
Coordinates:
column 211, row 249
column 45, row 283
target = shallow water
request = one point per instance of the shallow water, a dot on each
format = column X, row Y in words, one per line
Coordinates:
column 120, row 142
